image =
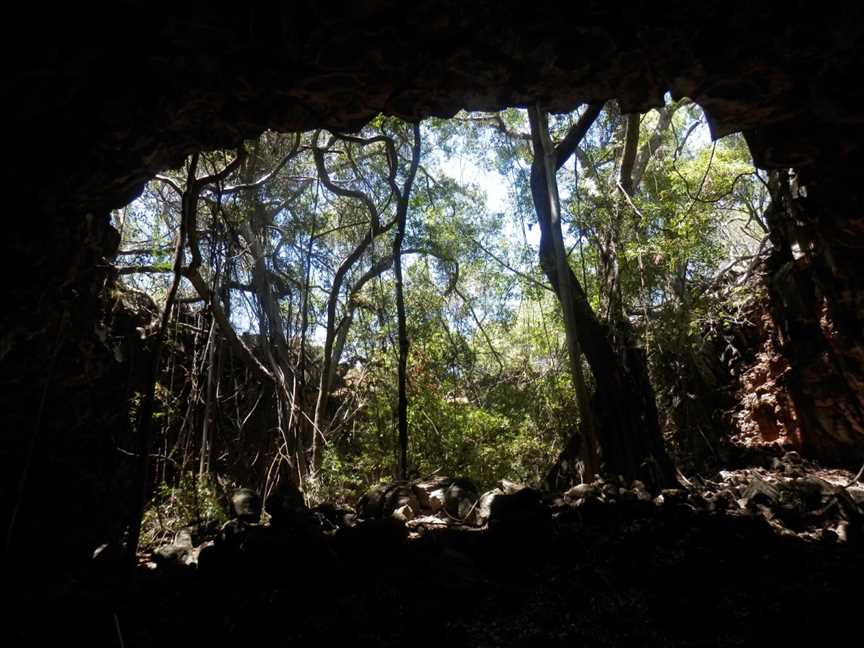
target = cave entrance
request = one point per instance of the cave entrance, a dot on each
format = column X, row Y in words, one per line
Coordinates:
column 90, row 126
column 283, row 319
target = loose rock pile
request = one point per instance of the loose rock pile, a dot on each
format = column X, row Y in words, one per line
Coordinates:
column 794, row 497
column 732, row 558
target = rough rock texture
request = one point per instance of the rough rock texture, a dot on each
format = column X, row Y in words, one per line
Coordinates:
column 125, row 96
column 101, row 99
column 765, row 412
column 817, row 304
column 67, row 456
column 750, row 557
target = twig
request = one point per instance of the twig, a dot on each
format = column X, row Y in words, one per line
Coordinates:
column 856, row 477
column 117, row 628
column 503, row 264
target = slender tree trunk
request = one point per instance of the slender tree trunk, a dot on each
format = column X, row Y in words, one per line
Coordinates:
column 299, row 401
column 566, row 293
column 206, row 432
column 402, row 406
column 402, row 213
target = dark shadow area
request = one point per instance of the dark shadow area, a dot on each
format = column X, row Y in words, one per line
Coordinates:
column 601, row 566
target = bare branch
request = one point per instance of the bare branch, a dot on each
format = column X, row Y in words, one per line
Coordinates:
column 653, row 144
column 225, row 172
column 479, row 324
column 225, row 327
column 143, row 269
column 628, row 158
column 576, row 134
column 295, row 148
column 318, row 155
column 170, row 183
column 504, row 264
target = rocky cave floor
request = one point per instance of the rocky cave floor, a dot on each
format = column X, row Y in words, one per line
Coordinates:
column 765, row 555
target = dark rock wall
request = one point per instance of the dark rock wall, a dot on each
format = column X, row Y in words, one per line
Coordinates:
column 97, row 100
column 817, row 301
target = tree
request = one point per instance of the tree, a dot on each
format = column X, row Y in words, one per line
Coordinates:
column 628, row 429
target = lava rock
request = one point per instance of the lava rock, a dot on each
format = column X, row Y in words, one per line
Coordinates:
column 460, row 498
column 284, row 504
column 524, row 506
column 581, row 490
column 371, row 504
column 246, row 505
column 857, row 494
column 180, row 553
column 430, row 492
column 509, row 487
column 673, row 496
column 484, row 506
column 404, row 513
column 339, row 518
column 760, row 492
column 397, row 497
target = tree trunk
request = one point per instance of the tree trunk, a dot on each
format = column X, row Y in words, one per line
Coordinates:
column 205, row 451
column 402, row 406
column 402, row 214
column 624, row 406
column 566, row 294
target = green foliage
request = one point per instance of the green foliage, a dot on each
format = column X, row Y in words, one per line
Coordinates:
column 489, row 386
column 193, row 501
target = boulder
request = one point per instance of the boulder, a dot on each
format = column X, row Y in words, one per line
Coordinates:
column 857, row 494
column 460, row 498
column 371, row 504
column 284, row 504
column 246, row 505
column 339, row 518
column 397, row 497
column 760, row 492
column 610, row 491
column 483, row 511
column 382, row 501
column 233, row 535
column 436, row 500
column 524, row 506
column 641, row 491
column 175, row 555
column 673, row 495
column 509, row 487
column 426, row 489
column 404, row 513
column 581, row 490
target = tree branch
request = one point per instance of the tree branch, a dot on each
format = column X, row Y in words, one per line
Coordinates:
column 575, row 134
column 225, row 327
column 628, row 158
column 504, row 264
column 295, row 148
column 318, row 155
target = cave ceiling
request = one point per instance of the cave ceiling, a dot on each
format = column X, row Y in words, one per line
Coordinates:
column 119, row 93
